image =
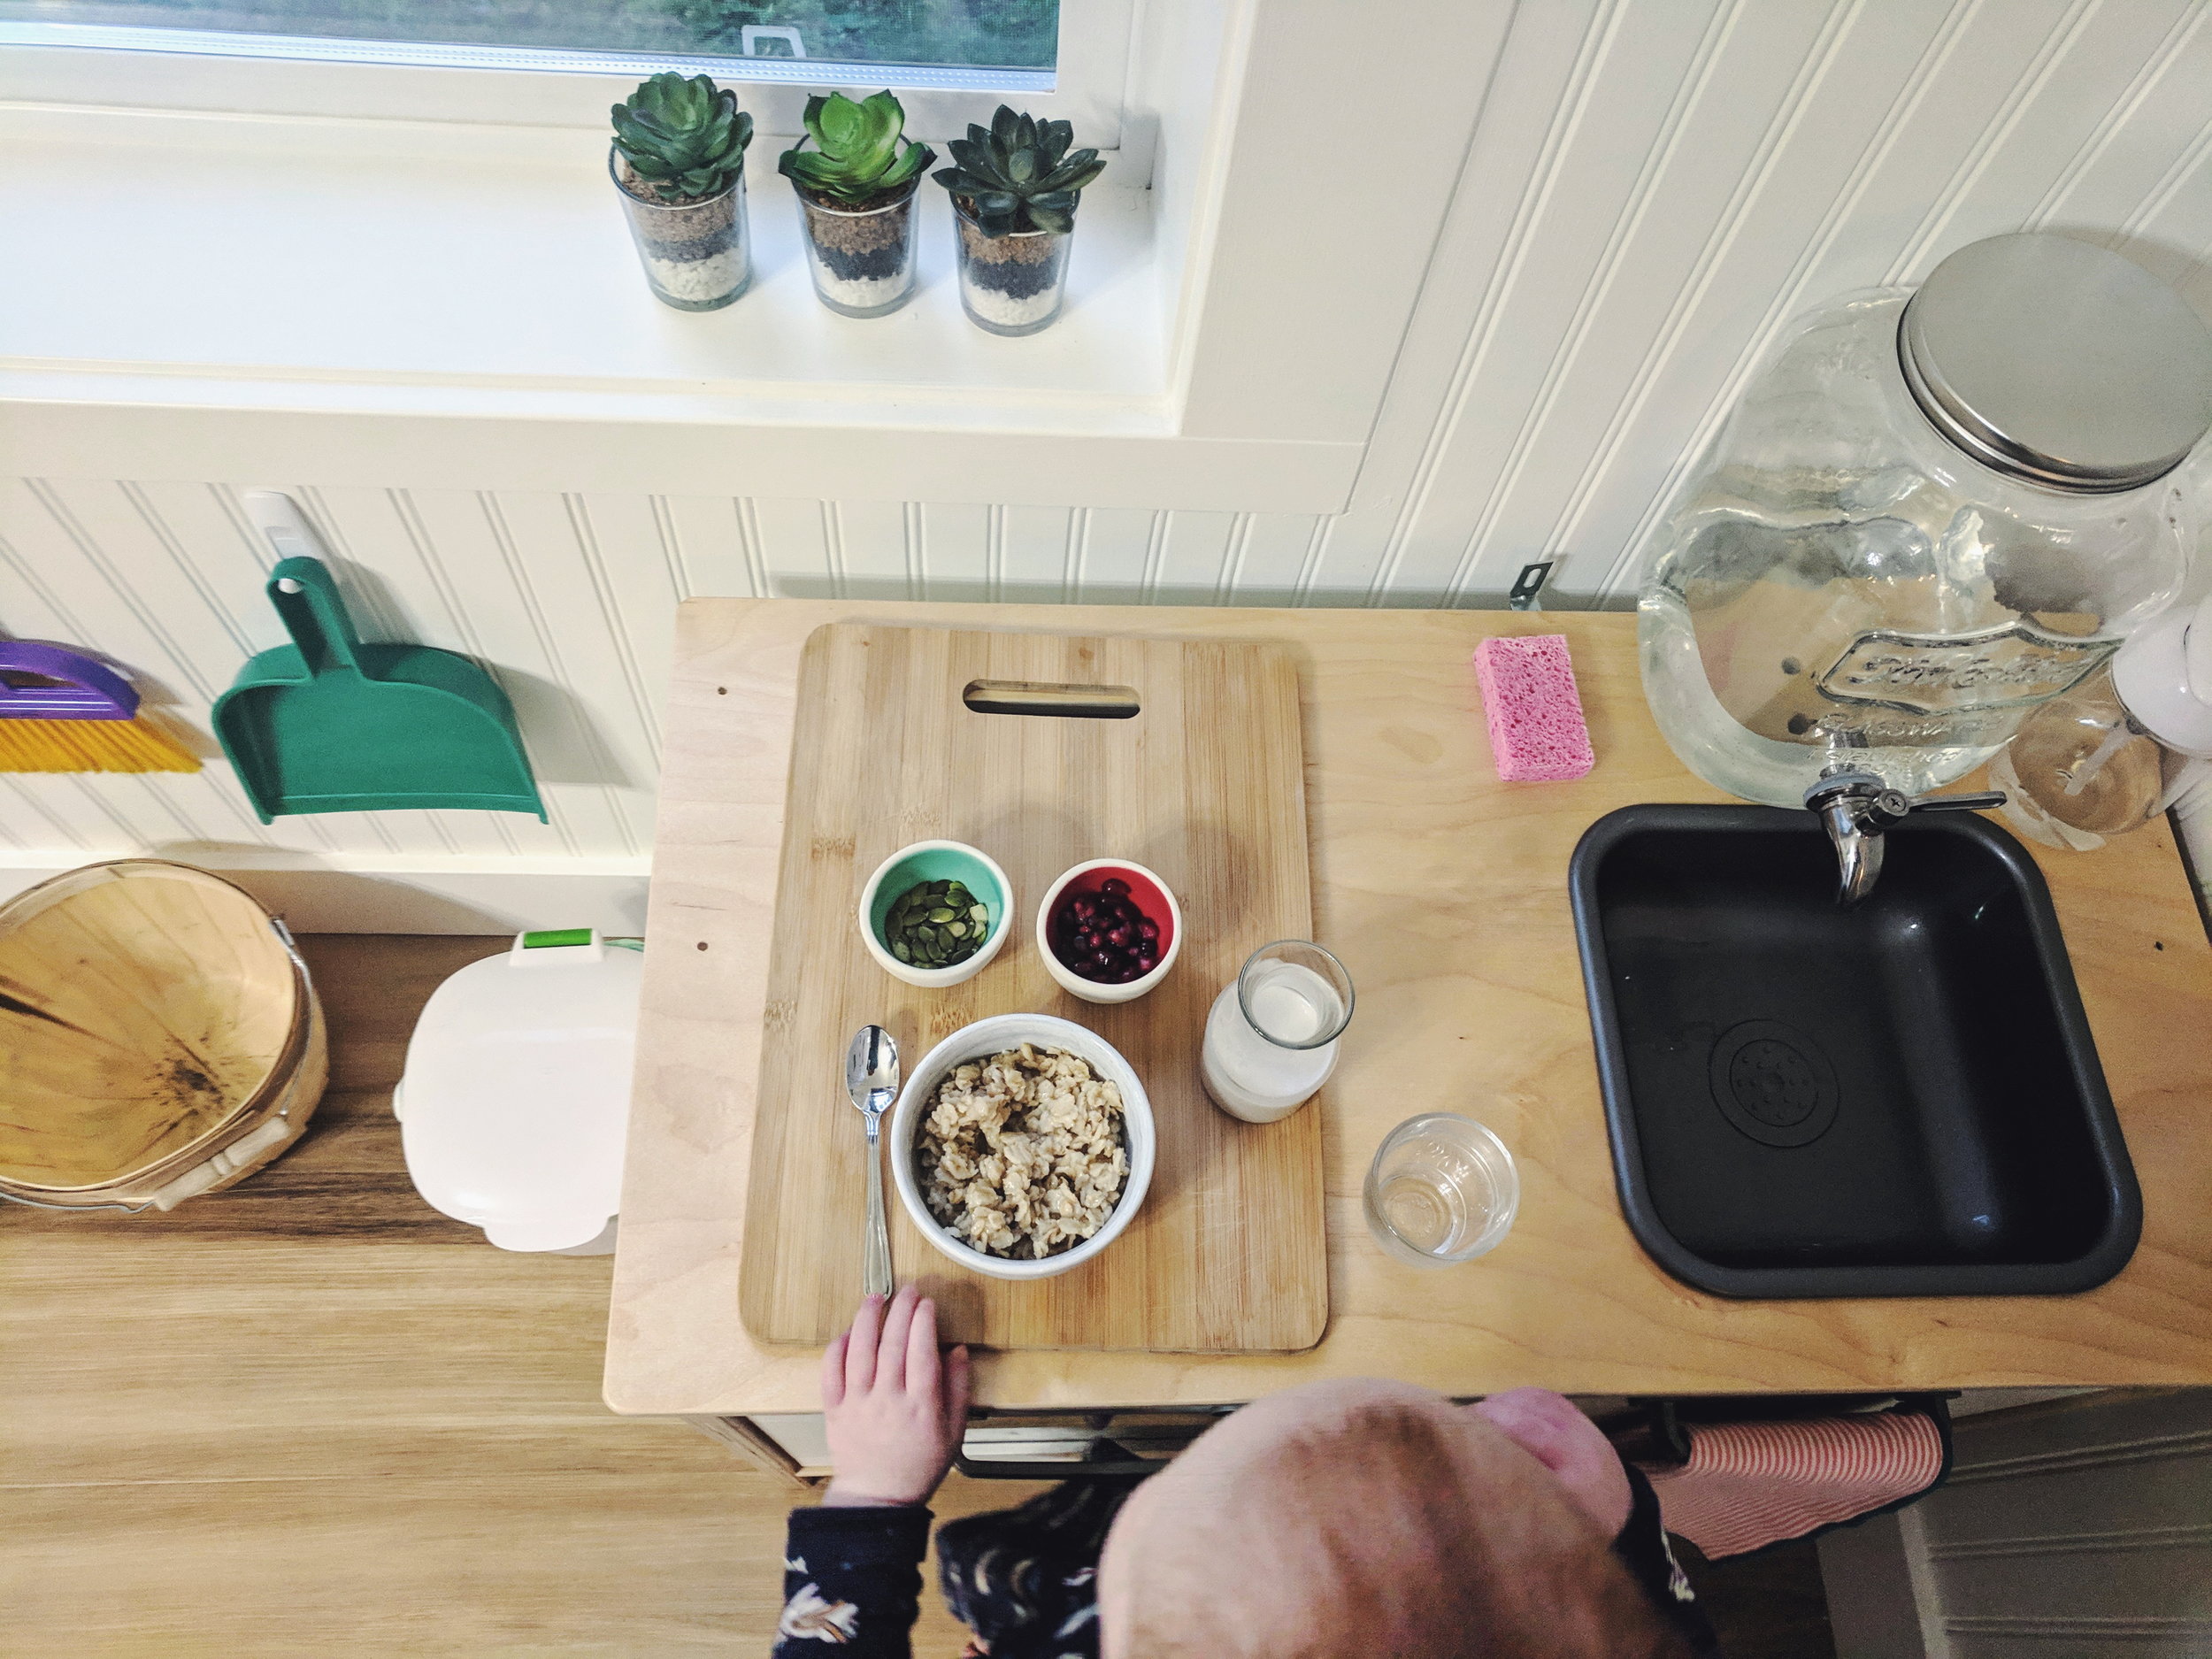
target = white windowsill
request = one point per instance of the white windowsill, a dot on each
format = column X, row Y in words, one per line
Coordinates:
column 184, row 287
column 295, row 263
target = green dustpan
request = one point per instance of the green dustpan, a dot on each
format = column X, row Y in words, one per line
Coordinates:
column 327, row 723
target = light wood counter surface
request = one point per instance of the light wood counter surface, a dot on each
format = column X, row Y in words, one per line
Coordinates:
column 1445, row 893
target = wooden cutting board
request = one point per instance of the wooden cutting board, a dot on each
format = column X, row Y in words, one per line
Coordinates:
column 1205, row 785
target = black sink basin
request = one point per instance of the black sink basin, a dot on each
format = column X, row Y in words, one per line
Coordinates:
column 1897, row 1100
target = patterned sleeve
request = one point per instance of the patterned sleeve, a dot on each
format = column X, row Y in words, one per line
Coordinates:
column 852, row 1581
column 1642, row 1547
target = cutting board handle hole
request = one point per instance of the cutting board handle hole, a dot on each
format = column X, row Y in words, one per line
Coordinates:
column 1036, row 696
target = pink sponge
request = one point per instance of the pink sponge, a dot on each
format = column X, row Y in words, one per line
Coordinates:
column 1534, row 713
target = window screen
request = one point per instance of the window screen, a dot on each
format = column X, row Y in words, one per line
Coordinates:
column 943, row 34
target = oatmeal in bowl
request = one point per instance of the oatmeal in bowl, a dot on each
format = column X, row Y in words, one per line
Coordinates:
column 1021, row 1152
column 1022, row 1146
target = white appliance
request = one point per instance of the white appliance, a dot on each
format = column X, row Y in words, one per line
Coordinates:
column 516, row 1095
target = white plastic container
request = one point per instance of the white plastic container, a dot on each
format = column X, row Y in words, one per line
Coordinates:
column 516, row 1096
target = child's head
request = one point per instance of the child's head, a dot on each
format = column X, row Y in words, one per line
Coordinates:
column 1366, row 1518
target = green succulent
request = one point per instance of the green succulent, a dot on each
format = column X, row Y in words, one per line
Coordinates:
column 1020, row 174
column 861, row 150
column 685, row 138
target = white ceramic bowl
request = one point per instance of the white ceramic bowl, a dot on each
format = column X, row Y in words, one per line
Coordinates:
column 933, row 860
column 1089, row 874
column 994, row 1036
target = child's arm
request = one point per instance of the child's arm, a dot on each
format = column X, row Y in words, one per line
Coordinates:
column 894, row 1409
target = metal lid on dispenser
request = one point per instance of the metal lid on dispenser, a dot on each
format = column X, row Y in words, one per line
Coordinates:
column 2058, row 362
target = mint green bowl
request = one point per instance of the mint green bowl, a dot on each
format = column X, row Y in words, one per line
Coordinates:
column 936, row 861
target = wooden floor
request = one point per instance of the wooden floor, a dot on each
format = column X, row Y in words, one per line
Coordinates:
column 311, row 1415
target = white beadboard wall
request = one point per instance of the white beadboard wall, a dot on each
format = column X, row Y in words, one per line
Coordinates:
column 2079, row 1527
column 1657, row 186
column 568, row 598
column 1654, row 187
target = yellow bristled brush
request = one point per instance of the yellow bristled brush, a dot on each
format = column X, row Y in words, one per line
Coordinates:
column 61, row 711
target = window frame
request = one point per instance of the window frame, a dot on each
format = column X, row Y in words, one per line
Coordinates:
column 1280, row 328
column 267, row 74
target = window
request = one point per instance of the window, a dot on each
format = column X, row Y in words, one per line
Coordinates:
column 1004, row 44
column 560, row 63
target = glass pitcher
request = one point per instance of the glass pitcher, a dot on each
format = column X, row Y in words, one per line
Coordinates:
column 1930, row 512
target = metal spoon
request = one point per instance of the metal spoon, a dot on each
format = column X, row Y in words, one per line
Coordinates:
column 872, row 1078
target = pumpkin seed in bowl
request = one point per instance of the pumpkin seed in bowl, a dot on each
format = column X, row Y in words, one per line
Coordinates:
column 936, row 925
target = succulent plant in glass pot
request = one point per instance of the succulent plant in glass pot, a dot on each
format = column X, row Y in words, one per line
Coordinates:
column 678, row 160
column 1014, row 191
column 856, row 194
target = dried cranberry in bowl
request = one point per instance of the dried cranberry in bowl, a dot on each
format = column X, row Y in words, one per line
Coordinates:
column 1103, row 935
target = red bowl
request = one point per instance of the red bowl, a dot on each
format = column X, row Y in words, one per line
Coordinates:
column 1151, row 896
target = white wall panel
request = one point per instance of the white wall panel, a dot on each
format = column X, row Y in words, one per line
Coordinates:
column 1657, row 188
column 1120, row 554
column 794, row 538
column 1194, row 548
column 715, row 547
column 871, row 555
column 1652, row 188
column 953, row 541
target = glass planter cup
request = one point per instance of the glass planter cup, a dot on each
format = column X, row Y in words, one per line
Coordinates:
column 862, row 258
column 1270, row 1040
column 697, row 256
column 1013, row 284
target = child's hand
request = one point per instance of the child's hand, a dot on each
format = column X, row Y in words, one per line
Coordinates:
column 893, row 1409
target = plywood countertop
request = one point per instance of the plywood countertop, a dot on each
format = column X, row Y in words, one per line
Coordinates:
column 1445, row 893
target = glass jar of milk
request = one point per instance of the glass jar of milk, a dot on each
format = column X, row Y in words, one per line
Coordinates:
column 1270, row 1040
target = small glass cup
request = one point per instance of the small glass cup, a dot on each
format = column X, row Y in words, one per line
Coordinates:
column 697, row 256
column 1013, row 284
column 1442, row 1189
column 1270, row 1037
column 862, row 261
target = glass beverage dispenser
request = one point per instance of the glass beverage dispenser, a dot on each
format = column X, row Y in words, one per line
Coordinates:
column 1930, row 512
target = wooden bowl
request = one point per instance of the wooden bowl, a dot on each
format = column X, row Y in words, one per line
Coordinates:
column 158, row 1036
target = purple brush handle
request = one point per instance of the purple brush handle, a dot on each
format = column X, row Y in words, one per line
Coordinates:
column 90, row 690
